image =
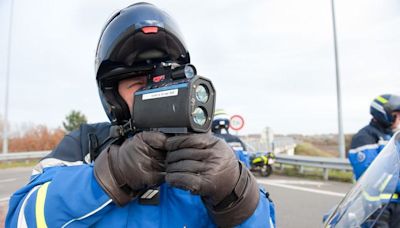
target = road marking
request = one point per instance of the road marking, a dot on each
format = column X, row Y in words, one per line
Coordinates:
column 323, row 192
column 4, row 199
column 8, row 180
column 298, row 182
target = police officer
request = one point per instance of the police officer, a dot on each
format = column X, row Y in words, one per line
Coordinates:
column 369, row 141
column 149, row 180
column 220, row 128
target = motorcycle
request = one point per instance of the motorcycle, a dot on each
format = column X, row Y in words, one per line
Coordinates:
column 262, row 163
column 372, row 192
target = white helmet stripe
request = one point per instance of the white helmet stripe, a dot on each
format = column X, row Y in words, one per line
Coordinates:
column 378, row 107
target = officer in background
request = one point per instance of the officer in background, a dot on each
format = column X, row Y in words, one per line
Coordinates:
column 148, row 180
column 220, row 128
column 370, row 140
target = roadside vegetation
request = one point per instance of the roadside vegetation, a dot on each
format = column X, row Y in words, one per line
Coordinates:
column 36, row 138
column 327, row 143
column 314, row 173
column 14, row 164
column 309, row 149
column 28, row 137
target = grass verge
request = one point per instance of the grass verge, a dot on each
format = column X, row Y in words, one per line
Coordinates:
column 14, row 164
column 308, row 149
column 314, row 173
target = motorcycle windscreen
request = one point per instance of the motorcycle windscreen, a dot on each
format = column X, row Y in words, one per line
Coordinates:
column 374, row 189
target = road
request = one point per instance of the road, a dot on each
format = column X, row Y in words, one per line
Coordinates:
column 299, row 202
column 11, row 180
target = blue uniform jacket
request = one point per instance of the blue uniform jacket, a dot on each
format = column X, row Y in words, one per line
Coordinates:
column 365, row 147
column 63, row 192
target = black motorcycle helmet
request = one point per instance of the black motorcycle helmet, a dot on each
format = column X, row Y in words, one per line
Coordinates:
column 133, row 40
column 382, row 109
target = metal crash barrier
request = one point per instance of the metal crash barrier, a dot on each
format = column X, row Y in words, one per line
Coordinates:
column 23, row 155
column 318, row 162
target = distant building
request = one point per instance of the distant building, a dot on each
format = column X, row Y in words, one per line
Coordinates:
column 266, row 141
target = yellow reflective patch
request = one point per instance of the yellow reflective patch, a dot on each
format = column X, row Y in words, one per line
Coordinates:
column 382, row 100
column 219, row 112
column 39, row 209
column 256, row 160
column 368, row 197
column 380, row 197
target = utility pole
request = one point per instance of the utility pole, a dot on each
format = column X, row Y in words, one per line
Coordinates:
column 338, row 88
column 8, row 65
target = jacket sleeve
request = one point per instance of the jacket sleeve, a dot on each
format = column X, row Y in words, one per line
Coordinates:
column 264, row 215
column 62, row 190
column 58, row 197
column 364, row 151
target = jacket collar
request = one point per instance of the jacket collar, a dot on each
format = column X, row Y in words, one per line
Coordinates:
column 381, row 128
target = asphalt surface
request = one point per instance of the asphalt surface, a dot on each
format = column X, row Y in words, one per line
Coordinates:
column 299, row 202
column 11, row 180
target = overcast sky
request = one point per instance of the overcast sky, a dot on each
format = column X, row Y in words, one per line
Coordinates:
column 271, row 61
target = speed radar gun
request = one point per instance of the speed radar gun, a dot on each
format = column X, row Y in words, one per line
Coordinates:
column 175, row 100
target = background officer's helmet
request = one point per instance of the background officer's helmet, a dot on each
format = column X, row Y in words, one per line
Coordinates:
column 132, row 41
column 382, row 108
column 220, row 121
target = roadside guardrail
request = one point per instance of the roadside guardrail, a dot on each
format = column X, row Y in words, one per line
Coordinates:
column 318, row 162
column 23, row 155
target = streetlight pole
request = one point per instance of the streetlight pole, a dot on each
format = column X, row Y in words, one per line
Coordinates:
column 338, row 88
column 5, row 123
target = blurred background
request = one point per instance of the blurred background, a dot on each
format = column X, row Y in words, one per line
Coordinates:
column 271, row 61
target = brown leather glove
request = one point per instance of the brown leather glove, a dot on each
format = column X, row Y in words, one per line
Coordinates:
column 125, row 171
column 206, row 166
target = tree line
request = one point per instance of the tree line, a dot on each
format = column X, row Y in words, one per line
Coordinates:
column 40, row 137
